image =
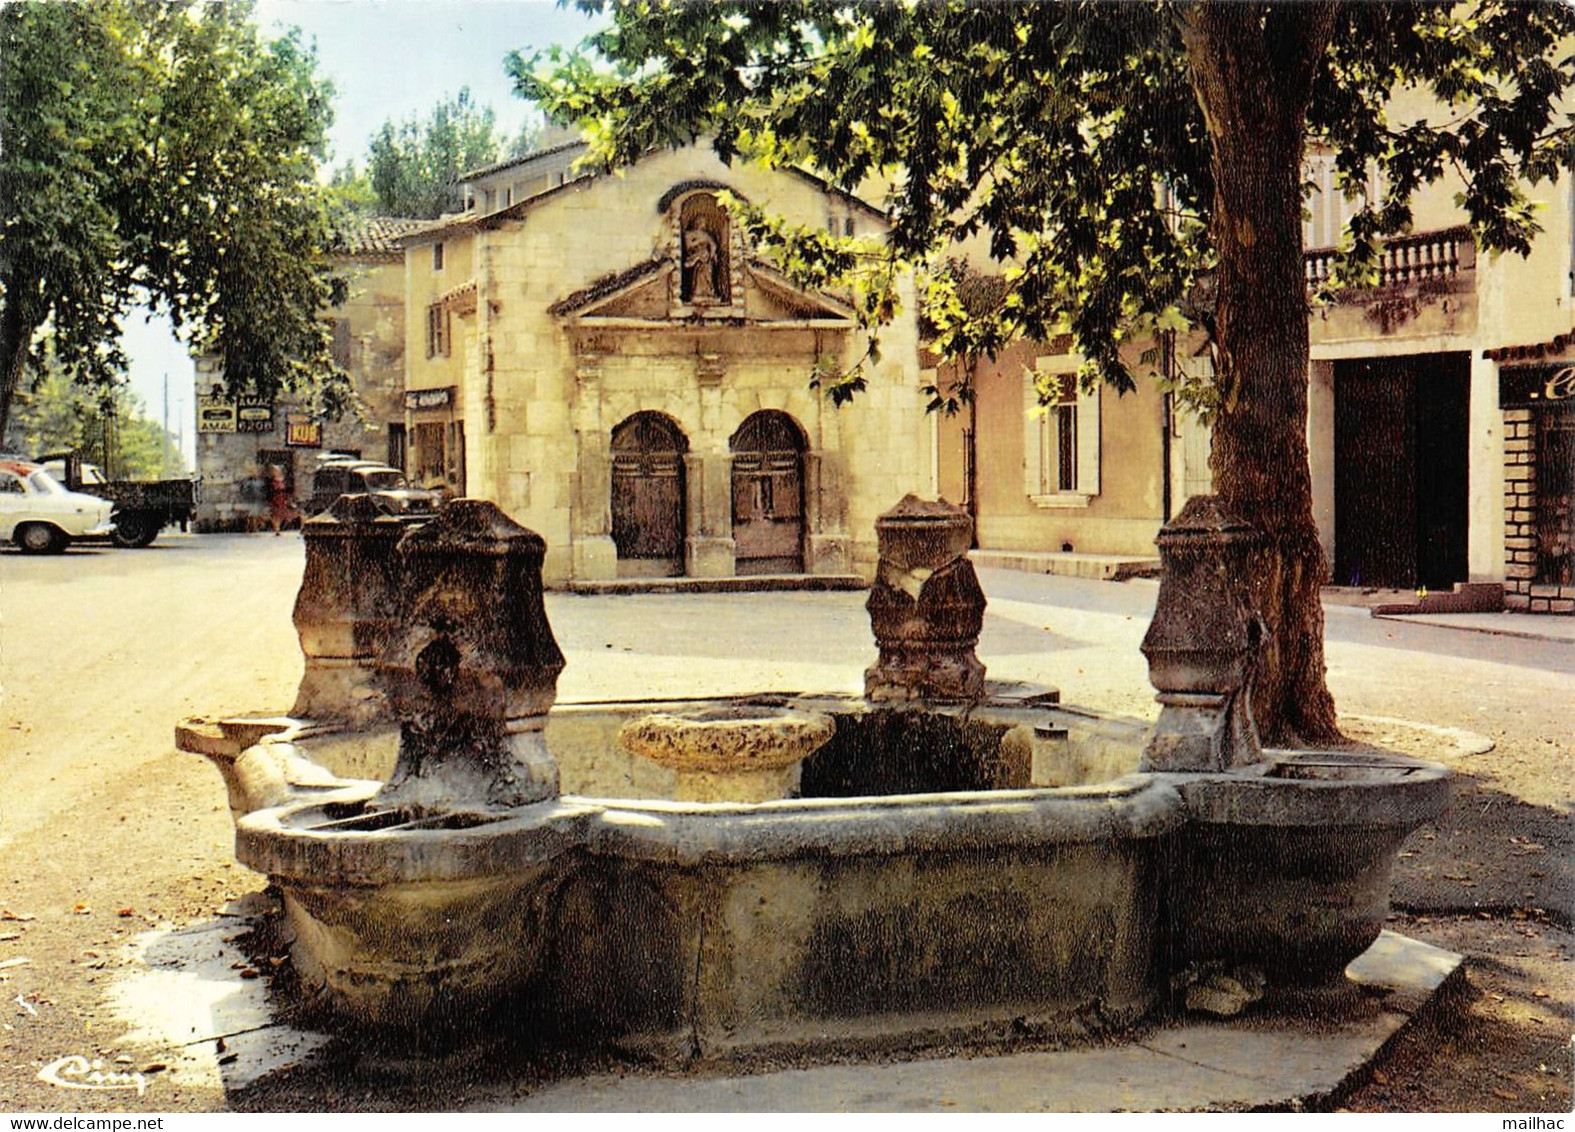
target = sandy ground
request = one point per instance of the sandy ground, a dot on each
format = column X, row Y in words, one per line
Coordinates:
column 111, row 841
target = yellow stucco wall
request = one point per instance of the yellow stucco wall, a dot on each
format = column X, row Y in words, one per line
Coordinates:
column 1121, row 519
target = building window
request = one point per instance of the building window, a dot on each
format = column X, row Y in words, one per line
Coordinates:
column 1061, row 440
column 847, row 226
column 508, row 196
column 1063, row 458
column 1555, row 471
column 437, row 257
column 1326, row 209
column 431, row 457
column 437, row 331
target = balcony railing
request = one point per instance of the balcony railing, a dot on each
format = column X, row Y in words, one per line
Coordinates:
column 1428, row 257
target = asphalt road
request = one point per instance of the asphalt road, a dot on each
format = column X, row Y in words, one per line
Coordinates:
column 105, row 829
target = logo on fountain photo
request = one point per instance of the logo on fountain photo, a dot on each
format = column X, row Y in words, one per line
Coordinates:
column 76, row 1072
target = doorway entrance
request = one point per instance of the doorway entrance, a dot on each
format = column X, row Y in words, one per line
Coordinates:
column 768, row 494
column 1401, row 468
column 648, row 496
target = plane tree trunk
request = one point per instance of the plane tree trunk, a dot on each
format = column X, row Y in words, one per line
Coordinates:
column 1252, row 67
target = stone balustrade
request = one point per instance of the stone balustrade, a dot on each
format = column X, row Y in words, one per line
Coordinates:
column 1427, row 257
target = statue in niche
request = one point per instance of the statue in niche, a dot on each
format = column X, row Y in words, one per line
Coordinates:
column 701, row 257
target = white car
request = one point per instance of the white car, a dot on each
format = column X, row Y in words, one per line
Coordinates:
column 42, row 517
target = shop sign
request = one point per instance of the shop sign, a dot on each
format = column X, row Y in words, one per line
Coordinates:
column 418, row 399
column 215, row 413
column 254, row 414
column 1520, row 386
column 304, row 434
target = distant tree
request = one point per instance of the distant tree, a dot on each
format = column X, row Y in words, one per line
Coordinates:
column 108, row 425
column 527, row 140
column 161, row 153
column 350, row 195
column 414, row 167
column 1116, row 154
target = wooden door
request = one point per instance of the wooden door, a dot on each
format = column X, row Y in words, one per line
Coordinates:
column 1401, row 515
column 768, row 495
column 648, row 495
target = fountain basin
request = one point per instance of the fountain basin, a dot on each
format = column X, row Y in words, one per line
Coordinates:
column 874, row 914
column 412, row 920
column 1286, row 865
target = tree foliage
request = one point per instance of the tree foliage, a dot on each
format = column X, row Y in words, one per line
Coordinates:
column 161, row 153
column 1070, row 135
column 413, row 168
column 108, row 425
column 1133, row 167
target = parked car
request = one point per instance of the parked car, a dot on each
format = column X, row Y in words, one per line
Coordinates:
column 41, row 516
column 387, row 486
column 142, row 507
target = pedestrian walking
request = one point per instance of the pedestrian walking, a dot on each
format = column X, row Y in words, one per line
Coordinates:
column 280, row 509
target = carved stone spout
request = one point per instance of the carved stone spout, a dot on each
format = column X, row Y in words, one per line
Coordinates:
column 926, row 606
column 342, row 610
column 1204, row 643
column 471, row 666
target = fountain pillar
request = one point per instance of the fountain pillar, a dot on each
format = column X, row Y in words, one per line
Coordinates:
column 471, row 666
column 348, row 591
column 926, row 606
column 1204, row 643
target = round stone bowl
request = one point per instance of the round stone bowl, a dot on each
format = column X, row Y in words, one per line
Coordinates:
column 734, row 753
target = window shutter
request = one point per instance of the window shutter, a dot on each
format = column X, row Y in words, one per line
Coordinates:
column 1088, row 442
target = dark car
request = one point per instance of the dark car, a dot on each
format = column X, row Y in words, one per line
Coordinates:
column 387, row 486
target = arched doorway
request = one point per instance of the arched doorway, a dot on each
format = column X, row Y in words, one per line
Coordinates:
column 648, row 496
column 768, row 495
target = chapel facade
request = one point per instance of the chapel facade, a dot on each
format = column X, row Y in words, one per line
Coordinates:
column 608, row 359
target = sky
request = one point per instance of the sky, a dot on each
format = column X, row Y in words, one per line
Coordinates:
column 388, row 59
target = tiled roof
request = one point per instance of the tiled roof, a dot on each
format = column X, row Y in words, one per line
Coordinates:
column 525, row 159
column 1560, row 344
column 375, row 236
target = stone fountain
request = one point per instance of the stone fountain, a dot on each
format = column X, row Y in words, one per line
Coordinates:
column 942, row 859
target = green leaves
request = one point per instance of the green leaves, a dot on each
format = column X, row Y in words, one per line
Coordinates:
column 1066, row 138
column 1499, row 74
column 1047, row 129
column 414, row 167
column 161, row 153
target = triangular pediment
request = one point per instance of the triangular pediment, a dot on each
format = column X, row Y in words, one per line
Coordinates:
column 647, row 294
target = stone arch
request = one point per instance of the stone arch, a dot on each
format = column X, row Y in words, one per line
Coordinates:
column 768, row 493
column 648, row 496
